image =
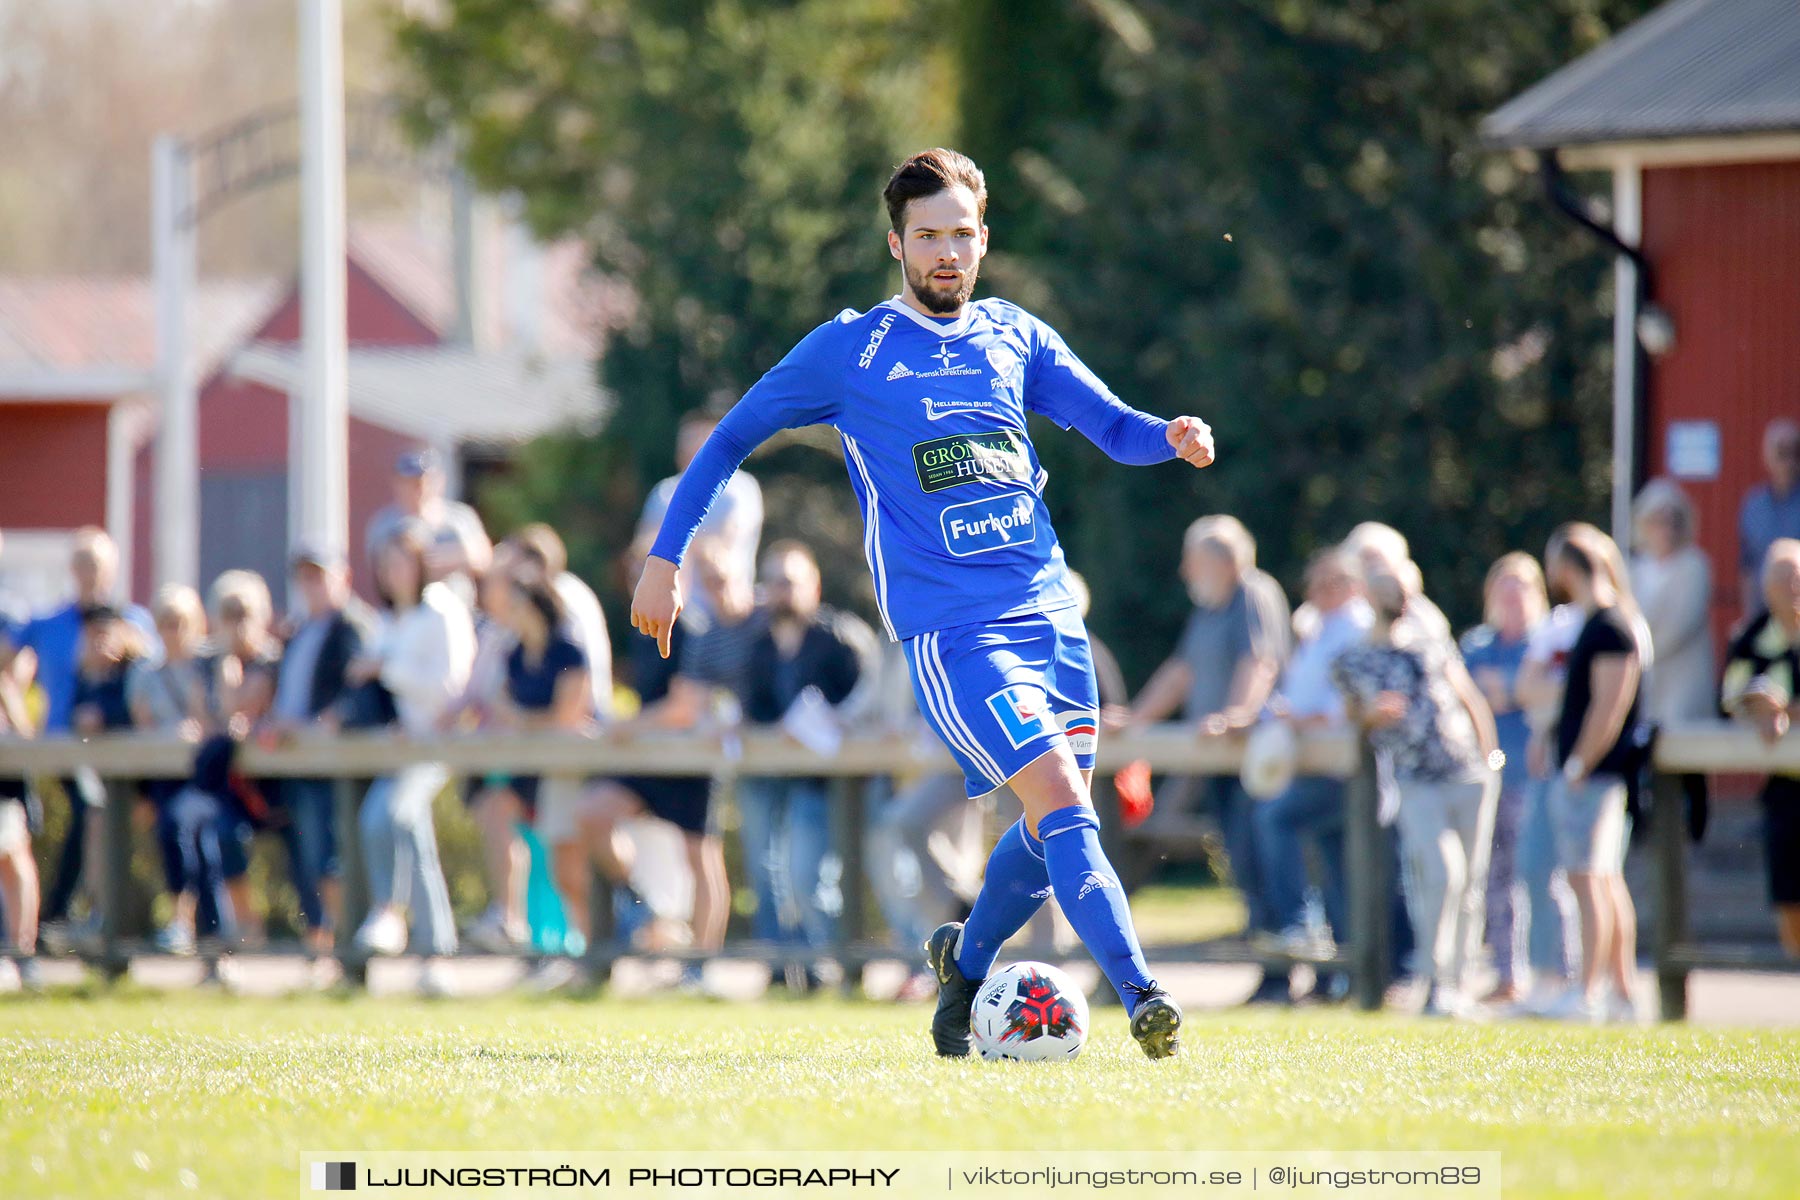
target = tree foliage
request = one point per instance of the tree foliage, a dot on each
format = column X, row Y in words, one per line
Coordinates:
column 725, row 158
column 1272, row 213
column 1278, row 216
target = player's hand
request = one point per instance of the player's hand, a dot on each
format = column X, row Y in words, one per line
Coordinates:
column 1115, row 717
column 657, row 602
column 1771, row 725
column 1192, row 439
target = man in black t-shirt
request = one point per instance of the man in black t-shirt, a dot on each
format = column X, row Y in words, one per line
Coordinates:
column 1594, row 747
column 1762, row 689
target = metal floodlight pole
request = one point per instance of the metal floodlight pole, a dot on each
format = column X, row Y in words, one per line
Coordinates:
column 178, row 434
column 318, row 477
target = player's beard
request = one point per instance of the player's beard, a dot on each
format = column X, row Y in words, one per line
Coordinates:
column 934, row 296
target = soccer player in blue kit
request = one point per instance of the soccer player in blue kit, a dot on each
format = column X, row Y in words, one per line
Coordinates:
column 929, row 392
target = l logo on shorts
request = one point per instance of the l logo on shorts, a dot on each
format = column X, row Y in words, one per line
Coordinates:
column 1023, row 713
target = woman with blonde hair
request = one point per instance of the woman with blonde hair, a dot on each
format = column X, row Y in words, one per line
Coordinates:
column 1672, row 582
column 1596, row 756
column 1513, row 602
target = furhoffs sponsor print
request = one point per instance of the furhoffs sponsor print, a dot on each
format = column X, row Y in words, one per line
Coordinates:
column 993, row 523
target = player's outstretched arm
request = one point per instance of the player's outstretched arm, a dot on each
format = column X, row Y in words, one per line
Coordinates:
column 796, row 391
column 1192, row 439
column 1060, row 386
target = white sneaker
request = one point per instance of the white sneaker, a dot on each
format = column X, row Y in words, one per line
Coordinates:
column 9, row 977
column 555, row 975
column 1544, row 994
column 31, row 974
column 175, row 939
column 1576, row 1005
column 230, row 974
column 383, row 933
column 324, row 973
column 1299, row 942
column 492, row 932
column 1405, row 995
column 1624, row 1010
column 434, row 981
column 1448, row 1002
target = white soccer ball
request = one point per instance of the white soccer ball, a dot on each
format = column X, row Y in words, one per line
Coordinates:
column 1029, row 1012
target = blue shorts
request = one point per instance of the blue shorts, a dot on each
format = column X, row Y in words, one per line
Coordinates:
column 1002, row 694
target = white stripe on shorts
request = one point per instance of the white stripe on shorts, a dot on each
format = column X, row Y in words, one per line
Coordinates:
column 992, row 768
column 928, row 687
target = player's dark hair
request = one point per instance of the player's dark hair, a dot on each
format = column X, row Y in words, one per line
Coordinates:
column 928, row 173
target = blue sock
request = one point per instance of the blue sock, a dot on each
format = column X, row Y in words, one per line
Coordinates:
column 1012, row 891
column 1088, row 889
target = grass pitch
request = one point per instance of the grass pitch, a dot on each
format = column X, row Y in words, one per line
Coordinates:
column 183, row 1095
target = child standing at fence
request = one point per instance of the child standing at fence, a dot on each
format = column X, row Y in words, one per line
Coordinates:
column 170, row 698
column 110, row 646
column 244, row 670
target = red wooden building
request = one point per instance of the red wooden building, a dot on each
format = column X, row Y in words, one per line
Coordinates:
column 77, row 408
column 1695, row 112
column 77, row 356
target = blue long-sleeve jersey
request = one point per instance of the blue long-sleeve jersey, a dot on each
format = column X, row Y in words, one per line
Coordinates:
column 932, row 416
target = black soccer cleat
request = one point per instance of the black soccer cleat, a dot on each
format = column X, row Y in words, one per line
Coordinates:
column 956, row 992
column 1157, row 1023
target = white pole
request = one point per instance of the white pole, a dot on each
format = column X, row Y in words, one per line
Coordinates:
column 178, row 438
column 121, row 450
column 1628, row 224
column 318, row 477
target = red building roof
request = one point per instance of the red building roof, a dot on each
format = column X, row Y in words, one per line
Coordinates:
column 68, row 323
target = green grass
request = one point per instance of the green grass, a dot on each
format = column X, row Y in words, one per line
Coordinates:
column 136, row 1095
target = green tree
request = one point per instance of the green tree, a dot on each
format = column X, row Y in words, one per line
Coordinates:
column 1272, row 213
column 724, row 158
column 1278, row 216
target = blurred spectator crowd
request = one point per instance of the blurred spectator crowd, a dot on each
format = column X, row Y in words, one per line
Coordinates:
column 1509, row 758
